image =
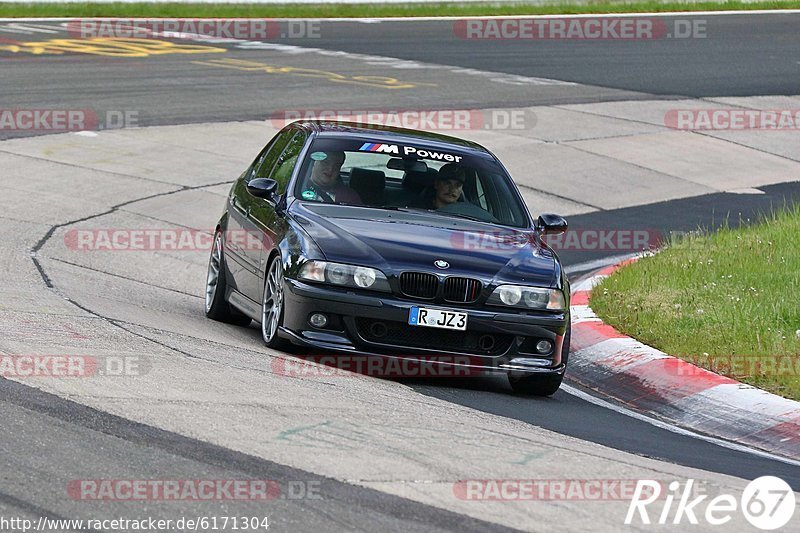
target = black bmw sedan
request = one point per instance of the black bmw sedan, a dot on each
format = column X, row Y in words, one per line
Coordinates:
column 392, row 243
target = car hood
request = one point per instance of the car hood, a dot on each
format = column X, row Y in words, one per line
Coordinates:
column 397, row 241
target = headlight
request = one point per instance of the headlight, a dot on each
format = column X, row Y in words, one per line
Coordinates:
column 509, row 294
column 338, row 274
column 344, row 275
column 528, row 297
column 365, row 277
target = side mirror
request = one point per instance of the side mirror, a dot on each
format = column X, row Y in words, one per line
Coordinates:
column 550, row 224
column 263, row 188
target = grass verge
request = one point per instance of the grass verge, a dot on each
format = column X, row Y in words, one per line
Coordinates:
column 726, row 301
column 288, row 10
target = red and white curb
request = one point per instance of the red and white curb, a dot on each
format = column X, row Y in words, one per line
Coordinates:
column 649, row 381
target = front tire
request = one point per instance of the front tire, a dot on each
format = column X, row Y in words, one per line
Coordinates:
column 272, row 305
column 216, row 306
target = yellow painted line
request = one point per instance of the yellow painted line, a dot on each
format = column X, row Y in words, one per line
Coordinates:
column 380, row 82
column 110, row 47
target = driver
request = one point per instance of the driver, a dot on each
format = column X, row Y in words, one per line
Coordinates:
column 448, row 186
column 446, row 190
column 447, row 194
column 326, row 180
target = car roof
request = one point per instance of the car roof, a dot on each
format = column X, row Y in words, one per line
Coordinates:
column 390, row 134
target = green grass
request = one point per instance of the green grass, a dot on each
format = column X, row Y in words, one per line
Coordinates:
column 288, row 10
column 728, row 301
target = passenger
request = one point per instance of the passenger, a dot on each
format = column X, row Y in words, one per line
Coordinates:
column 326, row 180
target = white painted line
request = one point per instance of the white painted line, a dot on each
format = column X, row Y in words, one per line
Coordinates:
column 33, row 28
column 746, row 190
column 673, row 429
column 10, row 30
column 740, row 397
column 588, row 284
column 582, row 313
column 598, row 263
column 623, row 349
column 581, row 15
column 471, row 17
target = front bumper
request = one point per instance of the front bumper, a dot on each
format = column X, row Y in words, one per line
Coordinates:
column 495, row 341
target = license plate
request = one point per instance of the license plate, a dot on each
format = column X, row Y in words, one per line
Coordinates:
column 437, row 318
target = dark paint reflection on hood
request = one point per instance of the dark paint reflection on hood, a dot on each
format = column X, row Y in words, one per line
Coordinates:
column 397, row 241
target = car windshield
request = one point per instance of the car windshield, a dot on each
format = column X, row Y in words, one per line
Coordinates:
column 440, row 180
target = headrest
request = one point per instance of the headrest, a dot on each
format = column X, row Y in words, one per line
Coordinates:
column 417, row 181
column 365, row 179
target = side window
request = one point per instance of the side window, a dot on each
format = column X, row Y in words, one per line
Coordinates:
column 266, row 160
column 481, row 194
column 288, row 160
column 489, row 198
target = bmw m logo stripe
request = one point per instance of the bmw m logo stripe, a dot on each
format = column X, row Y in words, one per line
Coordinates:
column 380, row 147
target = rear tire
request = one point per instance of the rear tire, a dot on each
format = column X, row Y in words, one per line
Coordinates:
column 545, row 384
column 216, row 306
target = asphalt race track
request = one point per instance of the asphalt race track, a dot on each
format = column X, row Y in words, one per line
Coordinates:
column 211, row 403
column 736, row 58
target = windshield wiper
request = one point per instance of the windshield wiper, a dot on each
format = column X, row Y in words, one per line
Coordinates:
column 460, row 215
column 433, row 212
